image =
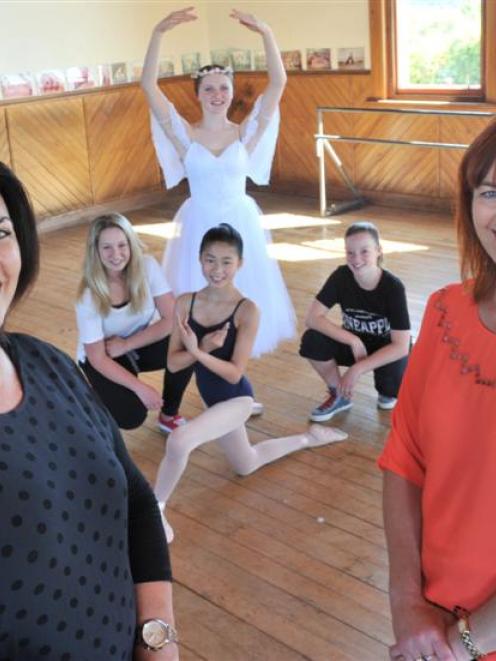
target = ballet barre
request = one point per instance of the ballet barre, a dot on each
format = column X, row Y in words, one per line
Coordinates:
column 323, row 146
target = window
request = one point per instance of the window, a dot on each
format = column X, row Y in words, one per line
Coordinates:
column 436, row 48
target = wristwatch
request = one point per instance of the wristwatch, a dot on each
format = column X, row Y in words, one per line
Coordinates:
column 155, row 634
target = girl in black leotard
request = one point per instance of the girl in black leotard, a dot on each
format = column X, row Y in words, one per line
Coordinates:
column 214, row 388
column 215, row 330
column 216, row 327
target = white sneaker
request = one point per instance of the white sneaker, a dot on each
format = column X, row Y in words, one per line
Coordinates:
column 257, row 408
column 386, row 403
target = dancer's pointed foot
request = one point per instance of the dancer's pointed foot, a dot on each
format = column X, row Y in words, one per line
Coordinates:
column 169, row 533
column 320, row 435
column 257, row 408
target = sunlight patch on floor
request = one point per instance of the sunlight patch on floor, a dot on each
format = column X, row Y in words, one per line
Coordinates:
column 162, row 230
column 270, row 221
column 281, row 221
column 331, row 249
column 294, row 252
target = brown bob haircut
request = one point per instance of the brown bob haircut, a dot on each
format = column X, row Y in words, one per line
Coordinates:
column 474, row 261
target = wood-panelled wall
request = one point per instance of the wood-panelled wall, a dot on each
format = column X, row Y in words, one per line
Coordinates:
column 76, row 152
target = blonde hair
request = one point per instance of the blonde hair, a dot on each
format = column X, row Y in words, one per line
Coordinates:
column 94, row 274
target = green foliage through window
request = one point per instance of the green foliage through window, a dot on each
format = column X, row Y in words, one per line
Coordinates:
column 439, row 43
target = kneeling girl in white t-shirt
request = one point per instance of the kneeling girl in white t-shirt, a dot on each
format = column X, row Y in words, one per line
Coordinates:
column 124, row 315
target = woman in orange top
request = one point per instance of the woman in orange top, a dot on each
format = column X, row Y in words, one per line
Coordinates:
column 440, row 458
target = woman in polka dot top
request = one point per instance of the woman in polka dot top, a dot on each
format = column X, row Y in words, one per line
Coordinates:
column 83, row 559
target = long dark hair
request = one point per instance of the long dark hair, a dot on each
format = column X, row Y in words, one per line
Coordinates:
column 474, row 260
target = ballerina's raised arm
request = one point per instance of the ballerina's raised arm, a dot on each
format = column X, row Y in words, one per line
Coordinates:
column 276, row 72
column 159, row 104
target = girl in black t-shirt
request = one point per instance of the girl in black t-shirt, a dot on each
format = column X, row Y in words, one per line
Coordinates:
column 375, row 331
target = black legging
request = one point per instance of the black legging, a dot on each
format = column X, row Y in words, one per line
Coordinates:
column 125, row 406
column 317, row 346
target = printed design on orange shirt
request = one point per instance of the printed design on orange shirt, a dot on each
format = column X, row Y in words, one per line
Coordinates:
column 456, row 353
column 365, row 322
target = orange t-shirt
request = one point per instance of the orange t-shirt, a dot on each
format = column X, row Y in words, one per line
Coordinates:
column 443, row 439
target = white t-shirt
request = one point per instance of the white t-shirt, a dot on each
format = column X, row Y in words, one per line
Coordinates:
column 120, row 321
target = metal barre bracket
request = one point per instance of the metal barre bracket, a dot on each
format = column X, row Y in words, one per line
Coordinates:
column 323, row 145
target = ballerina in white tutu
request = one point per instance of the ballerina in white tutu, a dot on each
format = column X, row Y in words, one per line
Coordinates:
column 216, row 156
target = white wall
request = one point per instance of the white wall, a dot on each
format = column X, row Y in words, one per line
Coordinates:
column 297, row 24
column 43, row 34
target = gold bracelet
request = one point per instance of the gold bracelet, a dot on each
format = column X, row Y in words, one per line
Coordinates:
column 466, row 637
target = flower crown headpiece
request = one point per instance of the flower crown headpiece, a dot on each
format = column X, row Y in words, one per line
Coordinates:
column 205, row 72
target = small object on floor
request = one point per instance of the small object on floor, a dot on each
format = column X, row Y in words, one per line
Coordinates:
column 320, row 519
column 386, row 403
column 318, row 435
column 332, row 405
column 168, row 423
column 257, row 408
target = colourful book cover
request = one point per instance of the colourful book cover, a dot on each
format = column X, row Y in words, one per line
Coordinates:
column 318, row 59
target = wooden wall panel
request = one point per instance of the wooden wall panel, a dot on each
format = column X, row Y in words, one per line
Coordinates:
column 49, row 153
column 181, row 93
column 460, row 130
column 404, row 170
column 298, row 165
column 75, row 152
column 121, row 155
column 395, row 127
column 361, row 89
column 4, row 142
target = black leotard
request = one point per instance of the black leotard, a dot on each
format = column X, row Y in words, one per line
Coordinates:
column 214, row 388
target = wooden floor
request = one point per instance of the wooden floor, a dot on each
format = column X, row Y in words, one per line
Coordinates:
column 289, row 563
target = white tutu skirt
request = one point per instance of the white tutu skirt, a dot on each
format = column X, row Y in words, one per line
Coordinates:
column 259, row 278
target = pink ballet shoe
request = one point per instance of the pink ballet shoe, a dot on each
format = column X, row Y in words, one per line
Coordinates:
column 319, row 435
column 169, row 533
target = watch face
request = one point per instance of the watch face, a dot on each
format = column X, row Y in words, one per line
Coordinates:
column 155, row 633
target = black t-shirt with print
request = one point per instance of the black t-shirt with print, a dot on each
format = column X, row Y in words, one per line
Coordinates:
column 369, row 314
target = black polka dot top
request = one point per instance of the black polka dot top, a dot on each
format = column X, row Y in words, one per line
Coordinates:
column 79, row 524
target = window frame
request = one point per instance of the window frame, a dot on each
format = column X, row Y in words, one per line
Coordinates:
column 383, row 76
column 474, row 95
